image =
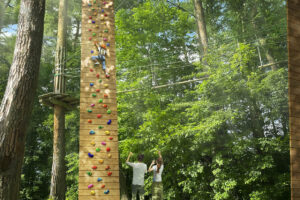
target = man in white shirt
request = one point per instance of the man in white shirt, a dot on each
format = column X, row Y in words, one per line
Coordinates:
column 139, row 171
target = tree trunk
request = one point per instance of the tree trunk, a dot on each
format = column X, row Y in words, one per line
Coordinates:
column 16, row 105
column 202, row 34
column 58, row 180
column 60, row 57
column 294, row 94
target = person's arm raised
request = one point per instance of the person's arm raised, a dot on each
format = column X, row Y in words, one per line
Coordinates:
column 128, row 158
column 150, row 167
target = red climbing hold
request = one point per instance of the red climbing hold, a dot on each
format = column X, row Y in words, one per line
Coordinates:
column 90, row 30
column 90, row 38
column 104, row 106
column 103, row 186
column 105, row 95
column 109, row 173
column 89, row 121
column 107, row 168
column 105, row 15
column 90, row 17
column 94, row 167
column 107, row 75
column 99, row 116
column 108, row 149
column 98, row 75
column 91, row 70
column 97, row 90
column 110, row 138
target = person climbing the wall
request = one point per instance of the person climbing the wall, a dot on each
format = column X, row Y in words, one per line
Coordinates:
column 157, row 167
column 139, row 171
column 101, row 56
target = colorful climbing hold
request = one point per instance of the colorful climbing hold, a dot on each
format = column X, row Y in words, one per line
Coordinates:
column 108, row 149
column 100, row 127
column 92, row 105
column 92, row 51
column 107, row 44
column 97, row 90
column 94, row 34
column 89, row 4
column 93, row 22
column 94, row 167
column 91, row 84
column 90, row 38
column 103, row 186
column 106, row 85
column 100, row 101
column 99, row 116
column 94, row 95
column 93, row 143
column 102, row 10
column 90, row 155
column 109, row 155
column 99, row 179
column 93, row 193
column 90, row 30
column 104, row 106
column 98, row 149
column 103, row 143
column 90, row 186
column 105, row 15
column 107, row 167
column 89, row 111
column 110, row 138
column 92, row 132
column 90, row 17
column 91, row 70
column 109, row 122
column 100, row 161
column 105, row 95
column 89, row 173
column 105, row 31
column 97, row 75
column 107, row 132
column 100, row 81
column 89, row 121
column 108, row 111
column 106, row 192
column 105, row 39
column 97, row 26
column 107, row 76
column 109, row 173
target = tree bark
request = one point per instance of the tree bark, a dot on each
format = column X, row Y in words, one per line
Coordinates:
column 16, row 105
column 294, row 94
column 58, row 180
column 202, row 33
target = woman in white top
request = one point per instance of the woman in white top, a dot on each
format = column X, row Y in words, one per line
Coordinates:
column 157, row 187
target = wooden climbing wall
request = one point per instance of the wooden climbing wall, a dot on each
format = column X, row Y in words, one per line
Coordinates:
column 98, row 156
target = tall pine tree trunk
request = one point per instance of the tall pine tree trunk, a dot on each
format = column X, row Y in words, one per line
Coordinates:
column 294, row 94
column 16, row 105
column 199, row 13
column 58, row 180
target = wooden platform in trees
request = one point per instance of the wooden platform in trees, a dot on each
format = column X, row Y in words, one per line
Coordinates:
column 97, row 24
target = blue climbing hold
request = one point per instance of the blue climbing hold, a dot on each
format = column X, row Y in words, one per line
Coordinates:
column 92, row 132
column 90, row 155
column 102, row 10
column 91, row 84
column 99, row 179
column 109, row 122
column 106, row 191
column 92, row 51
column 107, row 44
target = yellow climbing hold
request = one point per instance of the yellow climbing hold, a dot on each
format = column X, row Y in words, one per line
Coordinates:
column 107, row 132
column 101, row 161
column 93, row 192
column 93, row 143
column 106, row 85
column 109, row 155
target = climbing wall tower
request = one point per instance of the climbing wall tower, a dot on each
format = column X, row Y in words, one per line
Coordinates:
column 98, row 156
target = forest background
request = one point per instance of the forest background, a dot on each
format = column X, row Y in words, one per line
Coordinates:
column 223, row 133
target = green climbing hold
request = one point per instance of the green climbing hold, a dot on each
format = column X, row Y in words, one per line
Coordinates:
column 95, row 1
column 89, row 173
column 108, row 111
column 100, row 80
column 100, row 101
column 94, row 95
column 100, row 127
column 97, row 149
column 94, row 34
column 106, row 31
column 89, row 111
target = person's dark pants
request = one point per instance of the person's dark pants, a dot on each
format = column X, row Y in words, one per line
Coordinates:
column 138, row 189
